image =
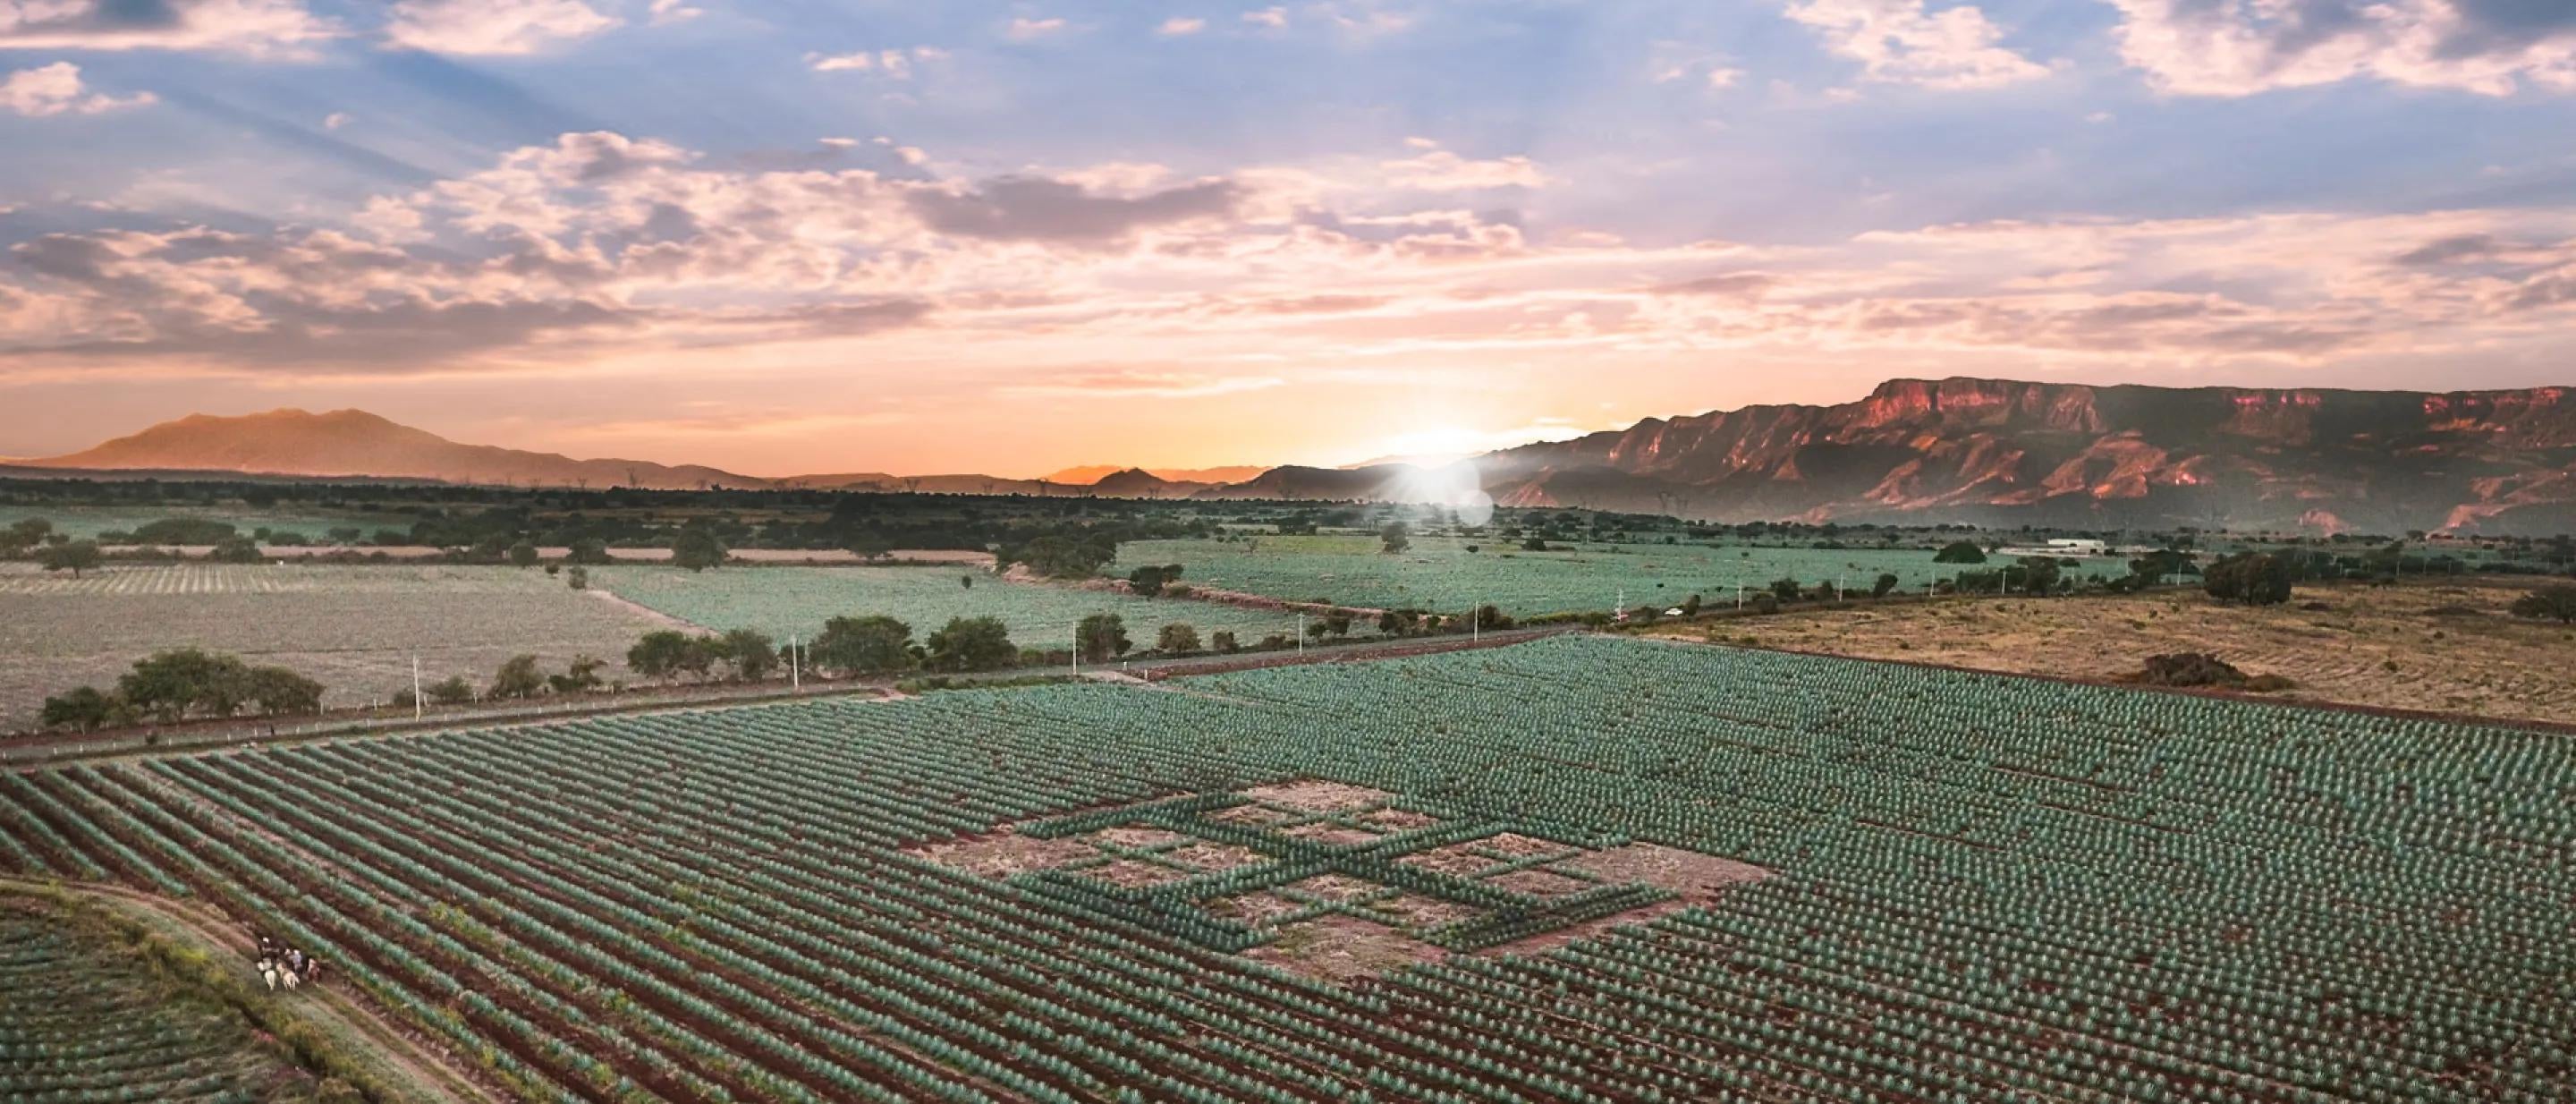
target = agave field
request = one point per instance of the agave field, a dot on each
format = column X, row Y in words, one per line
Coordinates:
column 1438, row 573
column 83, row 1022
column 784, row 601
column 1933, row 886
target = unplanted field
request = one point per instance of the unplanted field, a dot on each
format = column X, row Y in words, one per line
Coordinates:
column 785, row 601
column 2430, row 646
column 356, row 629
column 1970, row 888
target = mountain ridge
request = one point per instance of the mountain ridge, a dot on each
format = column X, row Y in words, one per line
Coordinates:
column 1989, row 451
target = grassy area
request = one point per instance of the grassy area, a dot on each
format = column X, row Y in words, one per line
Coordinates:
column 796, row 600
column 1439, row 573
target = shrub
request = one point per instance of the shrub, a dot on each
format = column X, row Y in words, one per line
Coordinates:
column 1176, row 638
column 517, row 678
column 1960, row 552
column 972, row 644
column 2550, row 603
column 868, row 645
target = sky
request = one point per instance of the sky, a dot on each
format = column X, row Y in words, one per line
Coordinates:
column 803, row 236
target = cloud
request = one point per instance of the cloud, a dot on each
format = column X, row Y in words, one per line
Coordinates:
column 1040, row 209
column 56, row 89
column 490, row 27
column 893, row 64
column 1027, row 30
column 667, row 12
column 1274, row 18
column 1177, row 26
column 283, row 28
column 335, row 120
column 1898, row 41
column 2243, row 47
column 1439, row 170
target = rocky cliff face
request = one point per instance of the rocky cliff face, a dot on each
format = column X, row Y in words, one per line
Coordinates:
column 2001, row 451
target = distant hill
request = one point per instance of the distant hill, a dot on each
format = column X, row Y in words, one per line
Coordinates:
column 1090, row 474
column 356, row 443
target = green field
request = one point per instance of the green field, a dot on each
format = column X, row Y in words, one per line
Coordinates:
column 784, row 601
column 1438, row 573
column 1389, row 881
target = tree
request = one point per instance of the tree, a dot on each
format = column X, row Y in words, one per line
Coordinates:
column 697, row 548
column 1223, row 640
column 1396, row 537
column 234, row 550
column 590, row 552
column 453, row 690
column 2254, row 578
column 1960, row 552
column 1534, row 544
column 277, row 691
column 168, row 685
column 1787, row 590
column 82, row 710
column 660, row 654
column 868, row 645
column 1102, row 636
column 523, row 554
column 2038, row 574
column 1176, row 638
column 1491, row 617
column 517, row 678
column 1886, row 583
column 75, row 556
column 581, row 678
column 1077, row 555
column 578, row 578
column 750, row 653
column 2551, row 603
column 972, row 644
column 1152, row 578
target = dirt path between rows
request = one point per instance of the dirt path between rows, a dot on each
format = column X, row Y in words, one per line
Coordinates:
column 648, row 613
column 328, row 1007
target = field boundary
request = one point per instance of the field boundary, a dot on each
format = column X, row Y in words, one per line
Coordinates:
column 392, row 1068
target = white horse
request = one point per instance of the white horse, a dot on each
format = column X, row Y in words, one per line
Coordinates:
column 268, row 973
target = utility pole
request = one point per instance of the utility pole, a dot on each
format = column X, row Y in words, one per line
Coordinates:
column 1077, row 649
column 795, row 674
column 1301, row 632
column 415, row 687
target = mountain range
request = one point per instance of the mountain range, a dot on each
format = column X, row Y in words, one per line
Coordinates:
column 1994, row 452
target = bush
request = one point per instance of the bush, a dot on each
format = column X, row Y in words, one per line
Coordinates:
column 2254, row 578
column 972, row 644
column 869, row 645
column 234, row 550
column 2202, row 669
column 1222, row 640
column 2550, row 603
column 1102, row 636
column 83, row 710
column 578, row 578
column 517, row 678
column 1177, row 638
column 452, row 690
column 1960, row 552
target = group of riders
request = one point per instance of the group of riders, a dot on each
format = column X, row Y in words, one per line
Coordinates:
column 284, row 965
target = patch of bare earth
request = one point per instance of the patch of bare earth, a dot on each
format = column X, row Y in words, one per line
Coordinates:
column 1327, row 832
column 1214, row 856
column 1318, row 796
column 1342, row 949
column 2435, row 645
column 1250, row 815
column 1539, row 882
column 1260, row 910
column 1417, row 913
column 1399, row 820
column 1004, row 853
column 1695, row 879
column 1333, row 887
column 1133, row 874
column 1460, row 859
column 1138, row 836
